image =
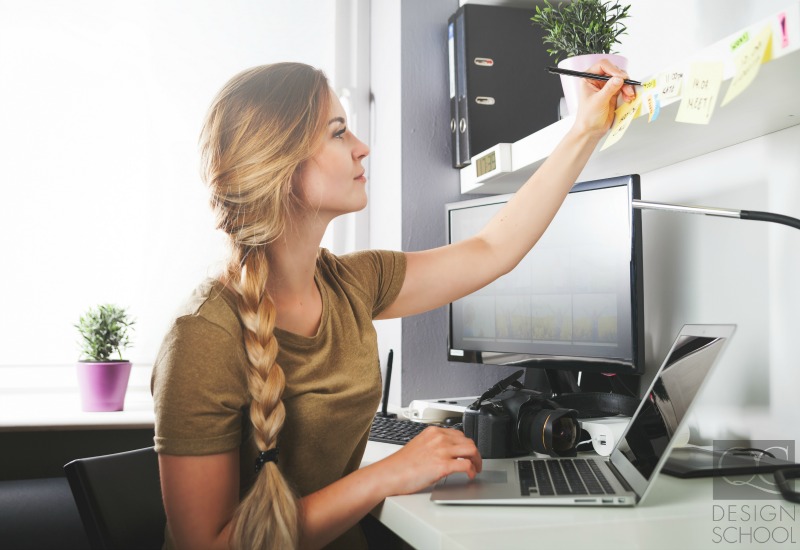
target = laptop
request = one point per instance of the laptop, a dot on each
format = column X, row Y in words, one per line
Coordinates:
column 624, row 477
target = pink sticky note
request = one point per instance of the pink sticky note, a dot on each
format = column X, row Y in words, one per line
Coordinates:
column 784, row 32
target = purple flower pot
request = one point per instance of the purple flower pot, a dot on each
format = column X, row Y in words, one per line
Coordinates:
column 103, row 385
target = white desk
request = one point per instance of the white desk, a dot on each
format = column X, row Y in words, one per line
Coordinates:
column 677, row 514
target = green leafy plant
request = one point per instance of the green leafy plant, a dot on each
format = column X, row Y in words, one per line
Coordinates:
column 104, row 330
column 580, row 27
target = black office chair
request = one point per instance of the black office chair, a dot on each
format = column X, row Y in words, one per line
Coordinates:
column 119, row 499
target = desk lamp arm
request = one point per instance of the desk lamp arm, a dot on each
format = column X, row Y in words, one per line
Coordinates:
column 720, row 212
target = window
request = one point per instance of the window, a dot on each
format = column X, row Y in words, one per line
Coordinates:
column 100, row 109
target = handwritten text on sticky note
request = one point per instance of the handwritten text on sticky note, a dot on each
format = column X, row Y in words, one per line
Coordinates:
column 653, row 104
column 701, row 89
column 623, row 117
column 670, row 84
column 748, row 59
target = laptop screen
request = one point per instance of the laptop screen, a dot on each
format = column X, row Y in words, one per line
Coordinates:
column 671, row 394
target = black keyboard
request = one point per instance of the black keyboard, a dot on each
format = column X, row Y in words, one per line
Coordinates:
column 394, row 430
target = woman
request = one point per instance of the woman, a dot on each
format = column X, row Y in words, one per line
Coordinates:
column 266, row 384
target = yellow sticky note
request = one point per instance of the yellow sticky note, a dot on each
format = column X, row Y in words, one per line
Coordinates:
column 623, row 117
column 748, row 60
column 700, row 93
column 650, row 84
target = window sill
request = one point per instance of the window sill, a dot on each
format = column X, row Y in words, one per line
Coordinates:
column 36, row 398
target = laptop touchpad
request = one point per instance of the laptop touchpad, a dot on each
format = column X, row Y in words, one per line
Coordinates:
column 487, row 476
column 492, row 476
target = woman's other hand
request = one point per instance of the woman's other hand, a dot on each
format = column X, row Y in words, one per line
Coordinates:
column 430, row 456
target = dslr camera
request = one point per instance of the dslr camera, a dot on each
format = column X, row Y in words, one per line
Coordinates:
column 514, row 421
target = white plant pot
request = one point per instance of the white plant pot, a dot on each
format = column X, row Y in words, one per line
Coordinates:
column 571, row 85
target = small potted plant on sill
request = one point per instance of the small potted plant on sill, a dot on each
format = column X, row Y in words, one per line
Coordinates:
column 579, row 34
column 103, row 380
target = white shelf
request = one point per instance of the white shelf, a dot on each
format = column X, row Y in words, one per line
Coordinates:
column 770, row 104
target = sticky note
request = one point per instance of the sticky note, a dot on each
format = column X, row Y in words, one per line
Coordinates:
column 653, row 104
column 669, row 84
column 623, row 117
column 748, row 59
column 740, row 40
column 700, row 93
column 650, row 84
column 784, row 32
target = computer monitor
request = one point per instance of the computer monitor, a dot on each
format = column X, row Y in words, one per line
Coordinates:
column 573, row 305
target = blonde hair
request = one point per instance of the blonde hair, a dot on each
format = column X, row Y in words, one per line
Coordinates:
column 261, row 128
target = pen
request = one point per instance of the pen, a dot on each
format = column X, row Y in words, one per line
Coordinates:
column 557, row 70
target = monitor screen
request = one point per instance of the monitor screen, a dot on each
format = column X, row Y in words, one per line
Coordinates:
column 574, row 302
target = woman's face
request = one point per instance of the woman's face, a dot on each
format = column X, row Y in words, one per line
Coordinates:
column 332, row 182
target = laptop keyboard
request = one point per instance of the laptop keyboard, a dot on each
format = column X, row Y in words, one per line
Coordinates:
column 564, row 476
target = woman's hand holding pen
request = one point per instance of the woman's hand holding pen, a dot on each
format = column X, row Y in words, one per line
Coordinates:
column 598, row 99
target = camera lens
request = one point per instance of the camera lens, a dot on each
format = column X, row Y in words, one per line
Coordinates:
column 549, row 431
column 564, row 433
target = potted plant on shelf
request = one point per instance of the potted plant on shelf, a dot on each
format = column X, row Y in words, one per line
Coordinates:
column 580, row 33
column 103, row 381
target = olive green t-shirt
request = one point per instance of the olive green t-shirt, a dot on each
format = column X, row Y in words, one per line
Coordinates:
column 333, row 387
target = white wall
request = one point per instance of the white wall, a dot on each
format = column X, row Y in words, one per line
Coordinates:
column 385, row 183
column 713, row 270
column 101, row 105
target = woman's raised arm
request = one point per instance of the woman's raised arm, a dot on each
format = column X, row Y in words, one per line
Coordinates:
column 439, row 276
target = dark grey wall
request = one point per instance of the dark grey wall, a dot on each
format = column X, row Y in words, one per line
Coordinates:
column 40, row 454
column 429, row 182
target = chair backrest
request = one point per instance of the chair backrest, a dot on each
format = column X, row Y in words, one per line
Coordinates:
column 119, row 499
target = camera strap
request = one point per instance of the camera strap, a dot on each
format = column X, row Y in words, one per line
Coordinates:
column 498, row 389
column 598, row 404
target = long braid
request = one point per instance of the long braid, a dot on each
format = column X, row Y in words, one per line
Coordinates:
column 267, row 517
column 260, row 130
